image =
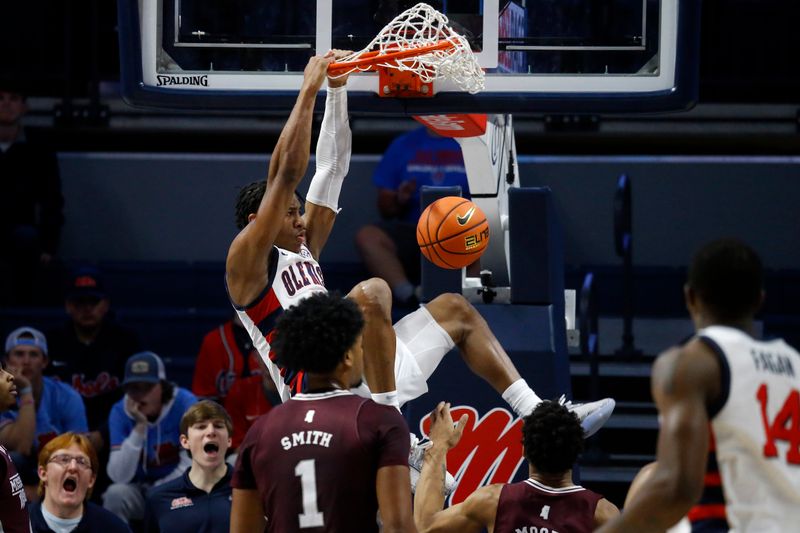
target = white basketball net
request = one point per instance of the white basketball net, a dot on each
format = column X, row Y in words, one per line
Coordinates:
column 419, row 26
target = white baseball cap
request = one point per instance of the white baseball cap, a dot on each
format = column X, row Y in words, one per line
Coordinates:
column 26, row 336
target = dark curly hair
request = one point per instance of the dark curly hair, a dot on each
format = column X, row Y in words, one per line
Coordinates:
column 249, row 199
column 315, row 334
column 552, row 437
column 727, row 276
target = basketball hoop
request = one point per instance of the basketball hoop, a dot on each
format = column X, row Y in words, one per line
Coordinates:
column 421, row 45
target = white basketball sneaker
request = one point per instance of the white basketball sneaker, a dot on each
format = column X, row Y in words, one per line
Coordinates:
column 593, row 415
column 415, row 457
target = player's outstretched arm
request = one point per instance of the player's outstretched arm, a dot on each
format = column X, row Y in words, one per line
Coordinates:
column 246, row 266
column 334, row 147
column 473, row 515
column 476, row 512
column 685, row 381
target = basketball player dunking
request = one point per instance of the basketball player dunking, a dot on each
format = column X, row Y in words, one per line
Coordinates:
column 326, row 459
column 729, row 446
column 548, row 501
column 272, row 265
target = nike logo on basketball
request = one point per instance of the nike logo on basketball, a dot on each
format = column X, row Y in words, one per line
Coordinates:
column 462, row 220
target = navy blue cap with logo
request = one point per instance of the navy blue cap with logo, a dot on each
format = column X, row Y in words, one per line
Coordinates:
column 144, row 367
column 86, row 283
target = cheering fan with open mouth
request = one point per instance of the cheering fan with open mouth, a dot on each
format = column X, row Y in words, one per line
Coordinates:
column 199, row 500
column 67, row 473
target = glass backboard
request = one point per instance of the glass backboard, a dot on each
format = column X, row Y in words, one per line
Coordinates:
column 538, row 55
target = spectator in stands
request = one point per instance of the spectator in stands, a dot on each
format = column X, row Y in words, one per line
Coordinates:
column 89, row 352
column 31, row 204
column 200, row 500
column 250, row 398
column 145, row 435
column 47, row 407
column 389, row 248
column 225, row 356
column 67, row 473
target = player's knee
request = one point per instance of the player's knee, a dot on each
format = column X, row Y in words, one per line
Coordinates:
column 374, row 296
column 454, row 305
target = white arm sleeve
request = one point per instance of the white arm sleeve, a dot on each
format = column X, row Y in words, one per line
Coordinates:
column 334, row 146
column 122, row 463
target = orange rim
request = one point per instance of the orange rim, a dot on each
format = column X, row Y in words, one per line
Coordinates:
column 375, row 57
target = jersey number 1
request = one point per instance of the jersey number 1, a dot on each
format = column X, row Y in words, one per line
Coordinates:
column 785, row 427
column 310, row 517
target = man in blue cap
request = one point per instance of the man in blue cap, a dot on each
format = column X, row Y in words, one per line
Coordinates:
column 144, row 429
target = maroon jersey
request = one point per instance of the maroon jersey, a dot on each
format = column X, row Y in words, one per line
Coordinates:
column 13, row 509
column 532, row 506
column 314, row 460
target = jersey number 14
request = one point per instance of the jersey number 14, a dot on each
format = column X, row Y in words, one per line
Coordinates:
column 785, row 427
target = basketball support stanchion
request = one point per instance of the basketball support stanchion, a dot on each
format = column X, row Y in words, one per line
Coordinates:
column 490, row 159
column 525, row 257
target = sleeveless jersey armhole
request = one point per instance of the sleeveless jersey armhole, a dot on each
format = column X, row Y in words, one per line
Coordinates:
column 271, row 269
column 725, row 376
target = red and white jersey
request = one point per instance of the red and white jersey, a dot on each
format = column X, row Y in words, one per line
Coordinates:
column 756, row 430
column 291, row 278
column 295, row 276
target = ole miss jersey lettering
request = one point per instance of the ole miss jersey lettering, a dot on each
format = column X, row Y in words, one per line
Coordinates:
column 300, row 275
column 291, row 278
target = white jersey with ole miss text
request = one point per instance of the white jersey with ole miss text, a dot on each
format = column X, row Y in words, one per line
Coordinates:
column 292, row 277
column 756, row 431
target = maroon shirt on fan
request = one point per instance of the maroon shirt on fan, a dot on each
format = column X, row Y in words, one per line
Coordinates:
column 314, row 461
column 13, row 510
column 537, row 507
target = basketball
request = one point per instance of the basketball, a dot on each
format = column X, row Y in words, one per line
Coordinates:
column 452, row 232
